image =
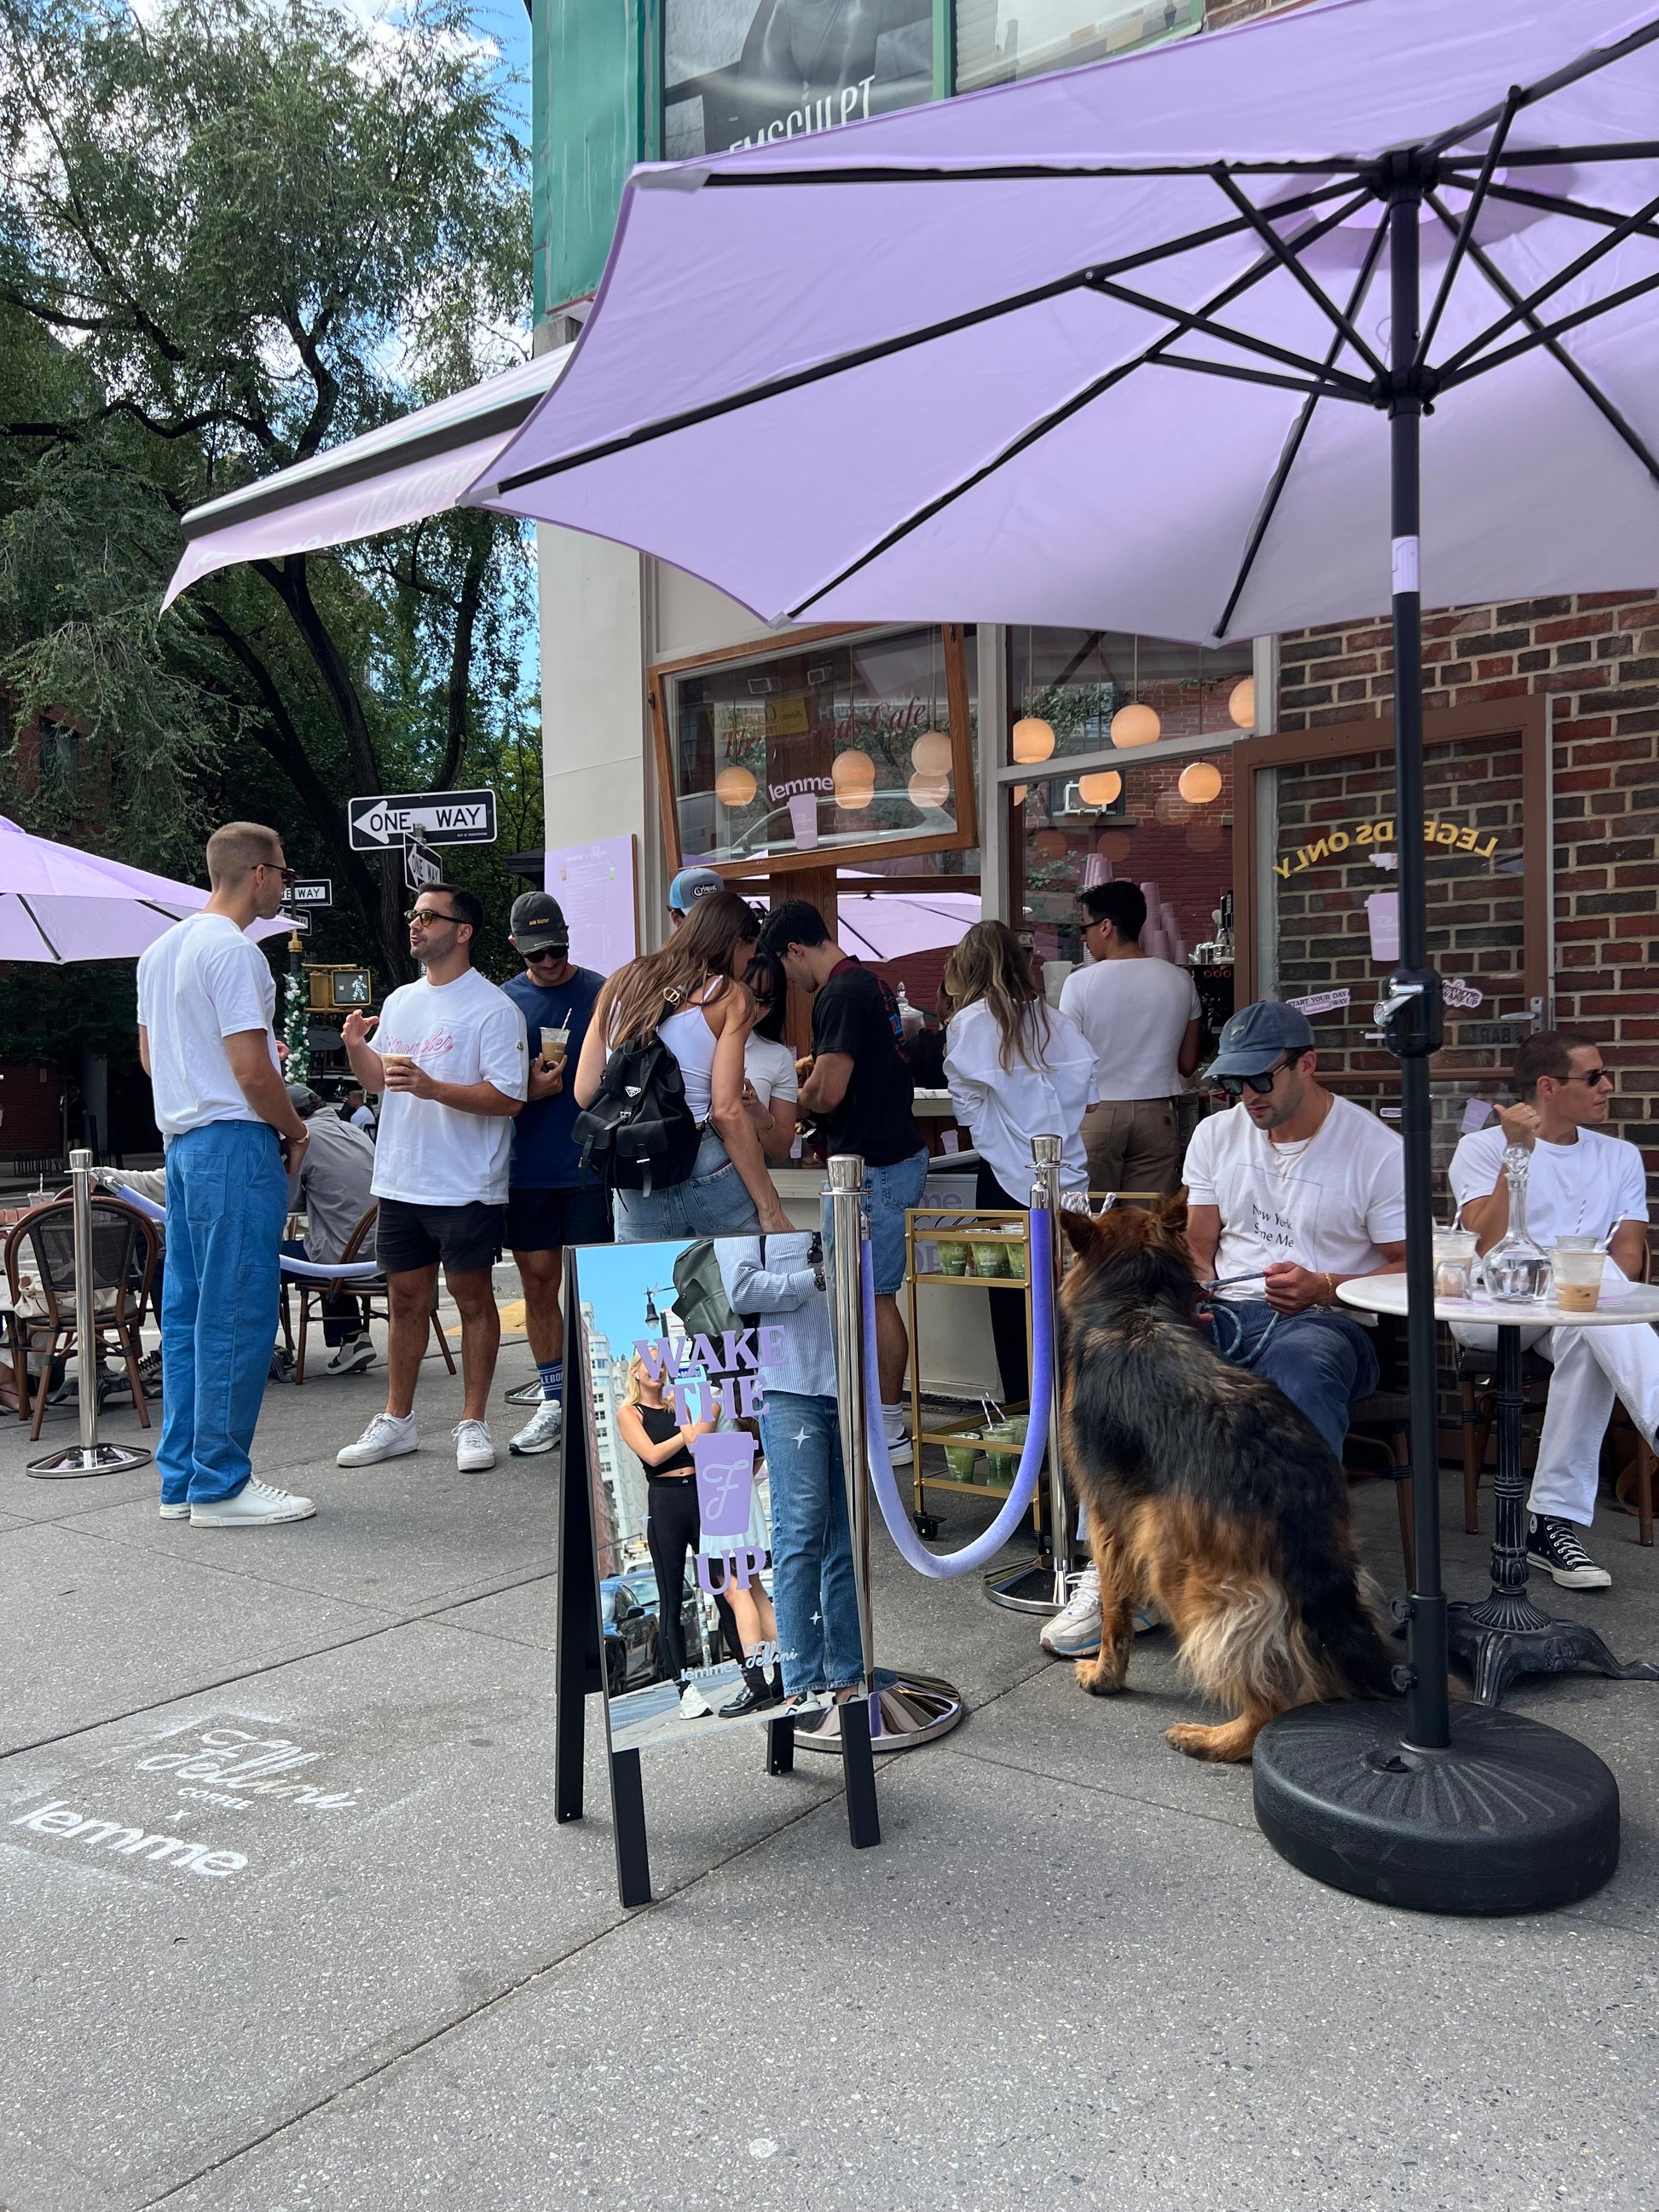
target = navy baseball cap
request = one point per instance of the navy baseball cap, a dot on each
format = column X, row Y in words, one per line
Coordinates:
column 1255, row 1036
column 691, row 884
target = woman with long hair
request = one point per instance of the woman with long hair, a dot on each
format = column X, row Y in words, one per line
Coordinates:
column 1016, row 1068
column 771, row 1085
column 690, row 995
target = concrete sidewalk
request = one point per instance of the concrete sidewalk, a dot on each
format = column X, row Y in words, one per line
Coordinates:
column 1073, row 1974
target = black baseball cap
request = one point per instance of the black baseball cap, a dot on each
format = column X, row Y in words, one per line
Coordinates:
column 538, row 923
column 1253, row 1038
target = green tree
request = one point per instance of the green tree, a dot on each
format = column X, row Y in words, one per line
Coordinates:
column 232, row 232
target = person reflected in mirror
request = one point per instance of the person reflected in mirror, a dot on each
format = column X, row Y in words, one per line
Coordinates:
column 814, row 1589
column 770, row 1085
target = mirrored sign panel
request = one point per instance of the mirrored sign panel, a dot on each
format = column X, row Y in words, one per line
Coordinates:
column 746, row 72
column 727, row 1587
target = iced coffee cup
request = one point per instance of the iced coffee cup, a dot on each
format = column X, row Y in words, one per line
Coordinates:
column 1577, row 1279
column 396, row 1060
column 553, row 1044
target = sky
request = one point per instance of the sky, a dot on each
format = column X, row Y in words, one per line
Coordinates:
column 507, row 23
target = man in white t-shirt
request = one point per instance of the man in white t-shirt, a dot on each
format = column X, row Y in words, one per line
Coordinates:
column 1580, row 1182
column 1141, row 1016
column 1290, row 1194
column 206, row 1002
column 452, row 1066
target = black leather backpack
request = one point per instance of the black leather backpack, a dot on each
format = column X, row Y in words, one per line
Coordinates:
column 639, row 1134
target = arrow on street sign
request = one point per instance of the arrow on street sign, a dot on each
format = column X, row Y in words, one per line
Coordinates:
column 435, row 818
column 422, row 869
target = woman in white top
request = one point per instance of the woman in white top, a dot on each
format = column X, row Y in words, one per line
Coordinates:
column 1016, row 1069
column 771, row 1085
column 691, row 994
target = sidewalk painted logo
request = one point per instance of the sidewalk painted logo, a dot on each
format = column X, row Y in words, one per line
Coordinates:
column 243, row 1767
column 116, row 1837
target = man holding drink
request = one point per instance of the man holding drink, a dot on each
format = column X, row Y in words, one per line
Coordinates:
column 549, row 1203
column 450, row 1063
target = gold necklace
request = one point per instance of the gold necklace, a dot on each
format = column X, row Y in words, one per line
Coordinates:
column 1284, row 1158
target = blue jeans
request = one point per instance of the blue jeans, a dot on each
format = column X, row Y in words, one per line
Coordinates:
column 1320, row 1361
column 813, row 1591
column 887, row 1193
column 226, row 1198
column 714, row 1200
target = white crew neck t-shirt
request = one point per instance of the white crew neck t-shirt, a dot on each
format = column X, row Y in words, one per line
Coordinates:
column 1326, row 1203
column 1135, row 1014
column 1584, row 1190
column 771, row 1066
column 200, row 983
column 467, row 1031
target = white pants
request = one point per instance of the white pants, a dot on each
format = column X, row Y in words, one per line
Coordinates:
column 1593, row 1366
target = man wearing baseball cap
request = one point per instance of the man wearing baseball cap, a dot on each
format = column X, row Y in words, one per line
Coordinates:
column 687, row 888
column 331, row 1188
column 1289, row 1195
column 550, row 1204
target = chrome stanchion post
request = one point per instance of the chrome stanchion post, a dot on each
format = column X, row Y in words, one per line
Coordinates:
column 88, row 1457
column 904, row 1707
column 1040, row 1585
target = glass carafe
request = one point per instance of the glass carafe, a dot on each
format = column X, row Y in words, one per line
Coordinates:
column 1517, row 1272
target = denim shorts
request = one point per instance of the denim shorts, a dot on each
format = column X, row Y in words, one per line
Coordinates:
column 713, row 1201
column 888, row 1192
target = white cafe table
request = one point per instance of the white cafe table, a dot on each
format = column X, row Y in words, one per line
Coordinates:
column 1507, row 1635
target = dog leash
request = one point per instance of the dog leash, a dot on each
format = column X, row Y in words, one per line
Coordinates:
column 1230, row 1350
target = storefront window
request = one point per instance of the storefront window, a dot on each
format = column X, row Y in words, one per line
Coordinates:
column 999, row 39
column 861, row 748
column 1080, row 690
column 744, row 72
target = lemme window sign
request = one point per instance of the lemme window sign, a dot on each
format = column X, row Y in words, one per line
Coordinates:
column 746, row 72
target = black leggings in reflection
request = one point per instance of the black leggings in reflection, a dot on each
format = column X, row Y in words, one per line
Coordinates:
column 1007, row 1308
column 673, row 1531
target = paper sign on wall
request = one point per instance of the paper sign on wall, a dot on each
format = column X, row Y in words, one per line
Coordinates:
column 1320, row 1002
column 1382, row 915
column 595, row 887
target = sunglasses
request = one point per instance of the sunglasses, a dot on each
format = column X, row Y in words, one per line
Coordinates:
column 290, row 876
column 427, row 915
column 1235, row 1086
column 547, row 952
column 1591, row 1075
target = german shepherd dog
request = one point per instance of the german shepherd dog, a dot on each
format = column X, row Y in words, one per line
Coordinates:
column 1208, row 1492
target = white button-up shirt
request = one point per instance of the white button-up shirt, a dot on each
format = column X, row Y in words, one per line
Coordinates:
column 1004, row 1108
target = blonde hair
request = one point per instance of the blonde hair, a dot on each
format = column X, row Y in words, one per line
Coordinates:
column 237, row 849
column 992, row 964
column 648, row 990
column 637, row 1367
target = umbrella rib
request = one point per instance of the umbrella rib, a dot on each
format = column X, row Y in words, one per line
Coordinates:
column 40, row 926
column 1155, row 353
column 1257, row 376
column 1549, row 204
column 1259, row 222
column 1293, row 444
column 1534, row 301
column 882, row 348
column 1554, row 157
column 1589, row 64
column 1466, row 230
column 1543, row 333
column 1008, row 173
column 1186, row 321
column 1556, row 351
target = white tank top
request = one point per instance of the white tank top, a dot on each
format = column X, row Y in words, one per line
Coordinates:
column 688, row 1037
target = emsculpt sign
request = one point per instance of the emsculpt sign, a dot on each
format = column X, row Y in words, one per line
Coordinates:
column 434, row 818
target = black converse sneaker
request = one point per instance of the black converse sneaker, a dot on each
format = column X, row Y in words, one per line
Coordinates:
column 1554, row 1545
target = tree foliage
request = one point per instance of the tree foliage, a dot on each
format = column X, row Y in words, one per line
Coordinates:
column 232, row 233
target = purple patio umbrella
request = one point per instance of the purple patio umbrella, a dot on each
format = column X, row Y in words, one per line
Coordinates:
column 57, row 904
column 1110, row 347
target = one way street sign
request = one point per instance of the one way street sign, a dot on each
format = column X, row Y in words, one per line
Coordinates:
column 435, row 818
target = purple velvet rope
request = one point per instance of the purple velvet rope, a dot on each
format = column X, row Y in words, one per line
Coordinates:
column 944, row 1567
column 299, row 1270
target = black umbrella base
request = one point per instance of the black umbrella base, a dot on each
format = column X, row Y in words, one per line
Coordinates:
column 1509, row 1636
column 1512, row 1817
column 77, row 1459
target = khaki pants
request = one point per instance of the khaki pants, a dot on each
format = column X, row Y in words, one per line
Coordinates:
column 1131, row 1144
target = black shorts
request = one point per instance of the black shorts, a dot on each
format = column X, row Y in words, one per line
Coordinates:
column 546, row 1220
column 465, row 1237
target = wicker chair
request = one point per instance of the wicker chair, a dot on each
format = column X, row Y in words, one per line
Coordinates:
column 41, row 1280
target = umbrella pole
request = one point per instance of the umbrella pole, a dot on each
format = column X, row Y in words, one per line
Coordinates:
column 88, row 1457
column 1475, row 1810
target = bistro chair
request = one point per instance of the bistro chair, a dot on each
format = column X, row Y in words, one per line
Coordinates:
column 43, row 1317
column 357, row 1247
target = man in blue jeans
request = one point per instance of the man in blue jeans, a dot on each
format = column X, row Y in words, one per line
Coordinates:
column 206, row 1001
column 1289, row 1195
column 859, row 1094
column 814, row 1593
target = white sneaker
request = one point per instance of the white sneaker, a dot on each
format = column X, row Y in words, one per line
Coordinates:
column 473, row 1450
column 899, row 1452
column 180, row 1512
column 353, row 1356
column 256, row 1505
column 541, row 1432
column 385, row 1437
column 693, row 1707
column 1075, row 1631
